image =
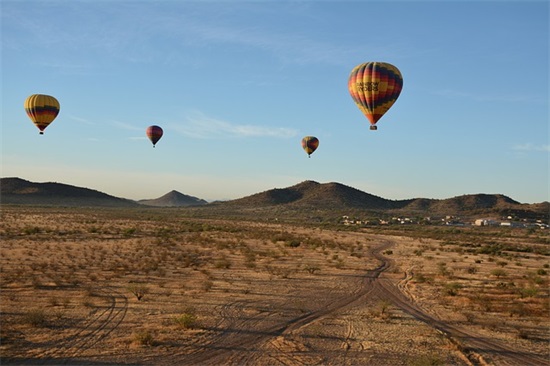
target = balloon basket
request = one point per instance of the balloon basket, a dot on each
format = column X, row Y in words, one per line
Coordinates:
column 374, row 128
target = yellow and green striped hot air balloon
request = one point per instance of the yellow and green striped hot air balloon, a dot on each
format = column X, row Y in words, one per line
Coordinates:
column 374, row 87
column 42, row 110
column 310, row 144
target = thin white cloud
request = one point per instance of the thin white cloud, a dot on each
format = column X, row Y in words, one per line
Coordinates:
column 148, row 33
column 79, row 119
column 199, row 125
column 531, row 147
column 127, row 126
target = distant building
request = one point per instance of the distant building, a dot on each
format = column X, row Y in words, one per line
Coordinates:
column 486, row 222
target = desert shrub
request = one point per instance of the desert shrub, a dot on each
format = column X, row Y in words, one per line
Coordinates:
column 470, row 317
column 382, row 309
column 293, row 243
column 538, row 280
column 311, row 268
column 139, row 290
column 129, row 232
column 32, row 230
column 144, row 338
column 518, row 309
column 483, row 301
column 443, row 270
column 207, row 285
column 528, row 292
column 418, row 252
column 498, row 273
column 522, row 333
column 186, row 320
column 36, row 318
column 421, row 278
column 542, row 272
column 452, row 288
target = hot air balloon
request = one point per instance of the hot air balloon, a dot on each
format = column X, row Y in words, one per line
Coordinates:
column 374, row 87
column 154, row 133
column 42, row 110
column 310, row 144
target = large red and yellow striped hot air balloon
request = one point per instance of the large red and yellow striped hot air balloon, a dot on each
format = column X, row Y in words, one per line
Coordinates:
column 310, row 144
column 154, row 133
column 374, row 87
column 42, row 110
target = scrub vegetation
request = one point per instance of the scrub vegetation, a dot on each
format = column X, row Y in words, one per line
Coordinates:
column 158, row 286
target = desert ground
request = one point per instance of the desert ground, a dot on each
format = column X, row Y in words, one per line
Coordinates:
column 158, row 287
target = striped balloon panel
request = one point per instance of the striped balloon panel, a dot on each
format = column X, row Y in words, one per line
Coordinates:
column 154, row 133
column 41, row 109
column 374, row 87
column 310, row 144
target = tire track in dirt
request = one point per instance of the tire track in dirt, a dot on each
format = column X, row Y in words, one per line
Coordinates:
column 240, row 343
column 471, row 345
column 97, row 328
column 243, row 340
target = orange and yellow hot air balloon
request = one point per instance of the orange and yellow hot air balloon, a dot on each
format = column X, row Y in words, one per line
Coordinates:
column 374, row 87
column 42, row 110
column 310, row 144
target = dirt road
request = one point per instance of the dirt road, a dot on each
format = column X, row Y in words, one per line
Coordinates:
column 269, row 338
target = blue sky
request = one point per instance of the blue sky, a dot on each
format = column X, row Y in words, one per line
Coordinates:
column 237, row 84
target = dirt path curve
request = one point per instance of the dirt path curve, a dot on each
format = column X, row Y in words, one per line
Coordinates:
column 96, row 328
column 247, row 339
column 243, row 342
column 473, row 346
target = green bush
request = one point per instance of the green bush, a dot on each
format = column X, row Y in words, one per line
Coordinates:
column 186, row 320
column 498, row 273
column 452, row 288
column 293, row 243
column 144, row 338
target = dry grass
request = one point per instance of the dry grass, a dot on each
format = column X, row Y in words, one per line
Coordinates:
column 80, row 284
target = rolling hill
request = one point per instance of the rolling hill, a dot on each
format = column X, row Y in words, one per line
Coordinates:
column 174, row 199
column 313, row 194
column 310, row 195
column 22, row 192
column 307, row 198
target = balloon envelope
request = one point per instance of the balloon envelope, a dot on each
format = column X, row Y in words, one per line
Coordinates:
column 42, row 110
column 374, row 87
column 310, row 144
column 154, row 133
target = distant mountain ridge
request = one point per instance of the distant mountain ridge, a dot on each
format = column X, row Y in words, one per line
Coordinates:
column 310, row 193
column 308, row 196
column 22, row 192
column 174, row 199
column 336, row 196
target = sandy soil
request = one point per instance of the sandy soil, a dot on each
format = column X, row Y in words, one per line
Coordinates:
column 239, row 293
